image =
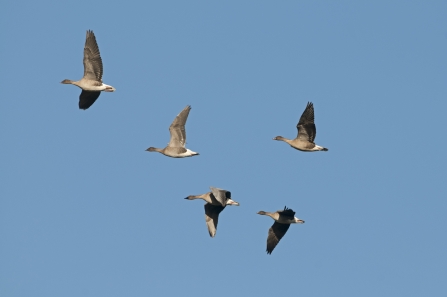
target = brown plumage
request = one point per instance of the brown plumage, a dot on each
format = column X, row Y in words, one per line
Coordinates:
column 307, row 131
column 176, row 146
column 91, row 84
column 216, row 201
column 283, row 219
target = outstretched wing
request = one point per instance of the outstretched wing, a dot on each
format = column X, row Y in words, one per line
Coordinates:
column 87, row 98
column 92, row 58
column 287, row 213
column 212, row 217
column 276, row 232
column 220, row 195
column 177, row 129
column 306, row 126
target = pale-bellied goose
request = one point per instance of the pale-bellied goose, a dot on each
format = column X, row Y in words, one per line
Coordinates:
column 176, row 146
column 283, row 219
column 91, row 84
column 307, row 131
column 216, row 200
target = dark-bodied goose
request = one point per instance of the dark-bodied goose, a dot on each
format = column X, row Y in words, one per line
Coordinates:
column 307, row 131
column 176, row 146
column 91, row 84
column 216, row 200
column 283, row 219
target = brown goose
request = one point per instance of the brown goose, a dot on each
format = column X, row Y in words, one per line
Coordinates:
column 176, row 146
column 307, row 131
column 283, row 219
column 91, row 84
column 216, row 200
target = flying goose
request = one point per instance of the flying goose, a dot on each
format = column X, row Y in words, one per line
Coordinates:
column 216, row 200
column 91, row 84
column 283, row 219
column 307, row 131
column 176, row 146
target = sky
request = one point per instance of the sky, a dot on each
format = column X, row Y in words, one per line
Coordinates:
column 86, row 211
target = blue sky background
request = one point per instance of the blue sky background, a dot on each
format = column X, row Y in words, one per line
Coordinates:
column 85, row 211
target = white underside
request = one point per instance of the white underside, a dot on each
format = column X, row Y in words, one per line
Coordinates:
column 188, row 153
column 317, row 148
column 103, row 87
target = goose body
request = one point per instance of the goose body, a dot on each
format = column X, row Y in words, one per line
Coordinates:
column 91, row 84
column 176, row 146
column 216, row 201
column 283, row 219
column 307, row 131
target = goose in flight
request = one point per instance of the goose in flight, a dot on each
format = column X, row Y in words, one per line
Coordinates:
column 91, row 84
column 176, row 146
column 307, row 131
column 283, row 219
column 216, row 200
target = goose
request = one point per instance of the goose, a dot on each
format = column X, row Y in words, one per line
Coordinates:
column 91, row 84
column 283, row 219
column 176, row 146
column 216, row 201
column 304, row 141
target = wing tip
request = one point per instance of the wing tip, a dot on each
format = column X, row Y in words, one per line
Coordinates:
column 90, row 33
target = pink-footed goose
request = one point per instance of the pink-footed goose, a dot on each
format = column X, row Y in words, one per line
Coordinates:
column 216, row 200
column 91, row 84
column 307, row 131
column 283, row 219
column 176, row 146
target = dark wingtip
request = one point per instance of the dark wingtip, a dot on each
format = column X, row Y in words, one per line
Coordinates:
column 325, row 149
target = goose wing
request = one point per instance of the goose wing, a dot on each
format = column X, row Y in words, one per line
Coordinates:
column 212, row 217
column 220, row 195
column 87, row 98
column 177, row 129
column 92, row 58
column 286, row 213
column 276, row 232
column 306, row 126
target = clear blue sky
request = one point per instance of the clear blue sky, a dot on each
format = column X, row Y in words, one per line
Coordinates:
column 85, row 211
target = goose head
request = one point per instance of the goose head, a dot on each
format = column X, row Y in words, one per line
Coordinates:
column 278, row 138
column 67, row 81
